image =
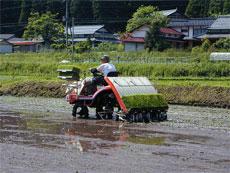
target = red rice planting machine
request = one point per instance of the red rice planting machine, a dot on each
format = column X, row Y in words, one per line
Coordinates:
column 134, row 99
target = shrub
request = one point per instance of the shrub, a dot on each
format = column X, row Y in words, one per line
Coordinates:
column 206, row 44
column 83, row 46
column 107, row 46
column 196, row 50
column 222, row 44
column 58, row 46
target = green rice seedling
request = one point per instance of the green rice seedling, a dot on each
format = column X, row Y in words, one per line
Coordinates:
column 144, row 101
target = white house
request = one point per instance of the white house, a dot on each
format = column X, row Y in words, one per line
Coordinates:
column 135, row 41
column 5, row 46
column 180, row 32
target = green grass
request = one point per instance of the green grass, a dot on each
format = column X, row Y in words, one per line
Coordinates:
column 168, row 56
column 207, row 70
column 187, row 68
column 216, row 82
column 34, row 58
column 7, row 81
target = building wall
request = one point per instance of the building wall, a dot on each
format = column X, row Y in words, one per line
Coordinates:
column 134, row 46
column 130, row 47
column 26, row 48
column 177, row 28
column 140, row 46
column 190, row 32
column 6, row 48
column 140, row 32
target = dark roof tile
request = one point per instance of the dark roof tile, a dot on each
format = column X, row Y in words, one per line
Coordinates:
column 222, row 22
column 6, row 36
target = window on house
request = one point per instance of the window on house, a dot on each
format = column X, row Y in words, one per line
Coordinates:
column 79, row 36
column 199, row 31
column 184, row 29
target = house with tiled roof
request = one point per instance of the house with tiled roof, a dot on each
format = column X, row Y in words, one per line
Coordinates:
column 192, row 28
column 135, row 41
column 219, row 29
column 9, row 43
column 181, row 31
column 96, row 33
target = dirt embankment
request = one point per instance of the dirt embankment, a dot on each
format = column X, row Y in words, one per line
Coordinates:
column 34, row 89
column 185, row 95
column 197, row 95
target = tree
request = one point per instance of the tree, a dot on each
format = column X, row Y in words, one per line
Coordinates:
column 216, row 7
column 143, row 15
column 45, row 26
column 114, row 14
column 38, row 6
column 9, row 16
column 25, row 11
column 81, row 10
column 226, row 9
column 222, row 44
column 197, row 8
column 153, row 39
column 56, row 6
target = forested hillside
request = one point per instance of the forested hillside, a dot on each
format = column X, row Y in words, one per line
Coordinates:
column 114, row 14
column 204, row 8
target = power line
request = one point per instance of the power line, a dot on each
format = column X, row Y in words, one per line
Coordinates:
column 84, row 21
column 31, row 5
column 12, row 23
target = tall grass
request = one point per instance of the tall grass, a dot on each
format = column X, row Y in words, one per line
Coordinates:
column 169, row 56
column 46, row 64
column 41, row 58
column 140, row 57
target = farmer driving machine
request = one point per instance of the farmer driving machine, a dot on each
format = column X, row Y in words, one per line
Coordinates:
column 133, row 99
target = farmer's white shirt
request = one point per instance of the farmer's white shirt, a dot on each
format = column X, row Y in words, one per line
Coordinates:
column 105, row 68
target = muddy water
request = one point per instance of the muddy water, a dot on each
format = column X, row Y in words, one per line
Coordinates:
column 39, row 135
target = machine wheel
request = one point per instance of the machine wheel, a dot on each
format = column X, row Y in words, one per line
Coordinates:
column 104, row 112
column 82, row 111
column 146, row 116
column 98, row 110
column 105, row 106
column 162, row 116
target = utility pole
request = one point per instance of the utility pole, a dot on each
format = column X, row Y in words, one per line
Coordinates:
column 66, row 21
column 72, row 37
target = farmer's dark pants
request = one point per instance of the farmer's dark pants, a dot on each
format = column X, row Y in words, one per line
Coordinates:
column 99, row 80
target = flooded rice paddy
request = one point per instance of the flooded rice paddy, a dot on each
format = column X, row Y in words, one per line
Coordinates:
column 39, row 135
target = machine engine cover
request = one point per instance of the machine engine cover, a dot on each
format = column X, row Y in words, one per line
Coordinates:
column 130, row 86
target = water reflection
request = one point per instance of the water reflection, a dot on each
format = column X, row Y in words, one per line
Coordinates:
column 82, row 135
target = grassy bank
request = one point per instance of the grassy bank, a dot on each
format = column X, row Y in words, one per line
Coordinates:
column 182, row 77
column 202, row 95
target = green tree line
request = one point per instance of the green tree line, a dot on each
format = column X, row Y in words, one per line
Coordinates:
column 204, row 8
column 114, row 14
